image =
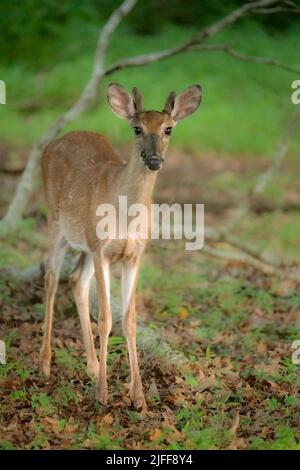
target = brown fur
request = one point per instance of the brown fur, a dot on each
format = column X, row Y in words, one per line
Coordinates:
column 80, row 172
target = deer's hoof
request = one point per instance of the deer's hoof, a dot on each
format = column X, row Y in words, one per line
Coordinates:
column 45, row 366
column 138, row 399
column 102, row 394
column 140, row 404
column 92, row 369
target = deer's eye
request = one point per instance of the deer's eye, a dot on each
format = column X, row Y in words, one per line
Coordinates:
column 138, row 130
column 168, row 130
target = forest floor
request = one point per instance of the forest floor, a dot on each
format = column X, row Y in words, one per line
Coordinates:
column 237, row 389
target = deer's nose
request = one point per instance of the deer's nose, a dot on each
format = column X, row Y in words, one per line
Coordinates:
column 154, row 163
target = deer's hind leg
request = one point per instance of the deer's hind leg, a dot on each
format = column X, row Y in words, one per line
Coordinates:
column 55, row 260
column 104, row 321
column 80, row 281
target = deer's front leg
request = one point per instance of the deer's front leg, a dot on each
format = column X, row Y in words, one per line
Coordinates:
column 130, row 271
column 104, row 321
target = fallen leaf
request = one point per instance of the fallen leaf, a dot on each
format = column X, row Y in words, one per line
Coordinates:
column 206, row 383
column 155, row 435
column 53, row 422
column 183, row 313
column 108, row 419
column 71, row 427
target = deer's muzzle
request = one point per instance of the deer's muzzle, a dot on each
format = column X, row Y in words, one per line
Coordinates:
column 153, row 162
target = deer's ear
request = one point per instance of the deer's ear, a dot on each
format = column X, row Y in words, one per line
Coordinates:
column 137, row 100
column 170, row 103
column 186, row 103
column 120, row 101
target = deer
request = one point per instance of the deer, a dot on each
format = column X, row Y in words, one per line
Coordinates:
column 81, row 171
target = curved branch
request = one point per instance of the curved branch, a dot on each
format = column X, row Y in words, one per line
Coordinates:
column 279, row 155
column 287, row 6
column 247, row 259
column 18, row 204
column 232, row 18
column 190, row 46
column 20, row 199
column 248, row 58
column 265, row 177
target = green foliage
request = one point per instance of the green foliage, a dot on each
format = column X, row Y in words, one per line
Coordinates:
column 102, row 440
column 116, row 346
column 40, row 439
column 6, row 368
column 190, row 420
column 285, row 439
column 39, row 310
column 42, row 27
column 18, row 394
column 229, row 116
column 191, row 380
column 65, row 394
column 7, row 445
column 43, row 403
column 10, row 338
column 64, row 359
column 200, row 417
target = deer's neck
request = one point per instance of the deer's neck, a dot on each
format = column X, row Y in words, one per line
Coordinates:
column 137, row 183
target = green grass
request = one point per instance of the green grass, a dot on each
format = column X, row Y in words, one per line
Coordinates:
column 253, row 377
column 244, row 105
column 284, row 440
column 64, row 359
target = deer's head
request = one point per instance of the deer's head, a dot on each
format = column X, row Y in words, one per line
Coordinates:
column 152, row 129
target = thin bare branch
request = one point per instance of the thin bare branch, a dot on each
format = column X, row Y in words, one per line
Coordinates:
column 276, row 10
column 232, row 18
column 248, row 58
column 247, row 253
column 18, row 204
column 240, row 255
column 245, row 258
column 195, row 44
column 106, row 32
column 287, row 6
column 146, row 59
column 264, row 178
column 224, row 236
column 291, row 4
column 279, row 154
column 20, row 199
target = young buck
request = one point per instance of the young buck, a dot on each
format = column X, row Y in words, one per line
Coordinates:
column 80, row 172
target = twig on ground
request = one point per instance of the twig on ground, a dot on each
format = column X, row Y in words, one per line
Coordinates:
column 245, row 258
column 265, row 177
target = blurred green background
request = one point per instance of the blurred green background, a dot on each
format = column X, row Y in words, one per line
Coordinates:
column 47, row 50
column 233, row 323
